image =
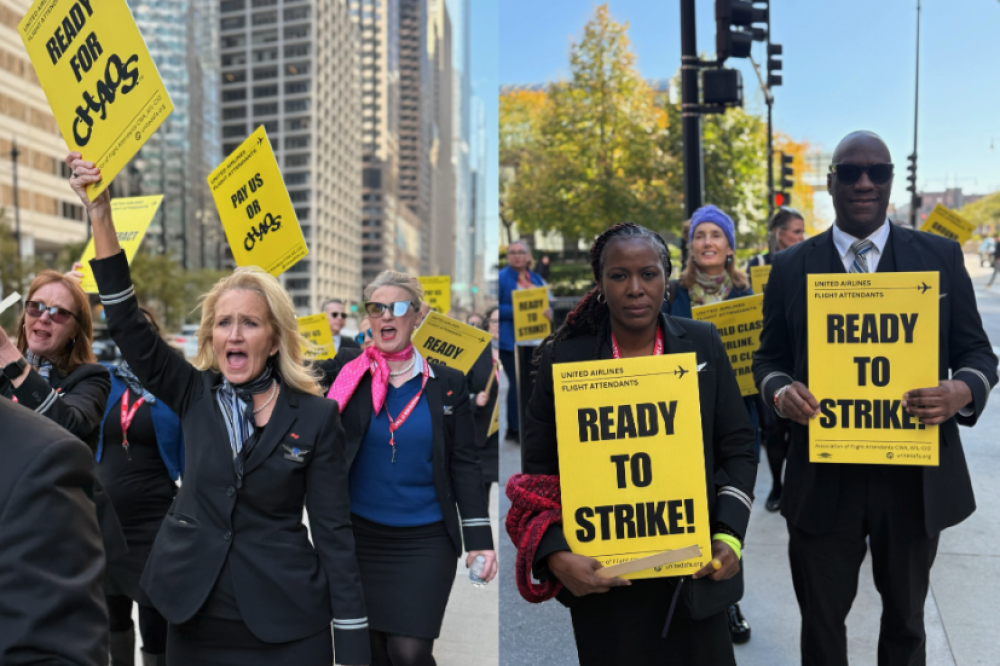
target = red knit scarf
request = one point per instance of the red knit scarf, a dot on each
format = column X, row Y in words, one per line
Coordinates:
column 535, row 506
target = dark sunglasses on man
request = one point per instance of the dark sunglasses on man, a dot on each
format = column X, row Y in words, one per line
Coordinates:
column 398, row 308
column 58, row 315
column 848, row 174
column 342, row 315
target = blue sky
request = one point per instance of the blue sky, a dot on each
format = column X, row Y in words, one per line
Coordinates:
column 849, row 64
column 485, row 56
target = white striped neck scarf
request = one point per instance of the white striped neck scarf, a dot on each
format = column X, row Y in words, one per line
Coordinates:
column 39, row 363
column 236, row 403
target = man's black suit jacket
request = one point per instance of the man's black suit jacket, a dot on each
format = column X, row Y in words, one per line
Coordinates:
column 727, row 434
column 809, row 500
column 458, row 477
column 52, row 607
column 286, row 587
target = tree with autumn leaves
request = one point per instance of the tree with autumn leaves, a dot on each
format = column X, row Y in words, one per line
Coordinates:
column 604, row 147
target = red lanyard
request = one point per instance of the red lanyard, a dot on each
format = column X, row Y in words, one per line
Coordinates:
column 657, row 347
column 127, row 416
column 394, row 425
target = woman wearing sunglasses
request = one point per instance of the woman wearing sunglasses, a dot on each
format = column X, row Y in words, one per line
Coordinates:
column 51, row 368
column 232, row 568
column 412, row 450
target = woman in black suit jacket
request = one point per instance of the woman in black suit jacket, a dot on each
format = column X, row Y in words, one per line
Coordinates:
column 411, row 446
column 232, row 568
column 617, row 621
column 484, row 388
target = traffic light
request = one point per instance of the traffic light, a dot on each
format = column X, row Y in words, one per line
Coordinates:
column 722, row 86
column 786, row 172
column 773, row 65
column 734, row 31
column 912, row 168
column 782, row 199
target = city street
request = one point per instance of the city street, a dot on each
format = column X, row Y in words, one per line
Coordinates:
column 965, row 580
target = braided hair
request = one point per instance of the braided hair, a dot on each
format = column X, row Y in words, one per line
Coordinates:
column 590, row 316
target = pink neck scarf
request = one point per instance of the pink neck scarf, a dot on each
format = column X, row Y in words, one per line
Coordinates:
column 375, row 361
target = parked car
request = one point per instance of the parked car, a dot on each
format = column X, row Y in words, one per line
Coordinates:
column 187, row 340
column 986, row 250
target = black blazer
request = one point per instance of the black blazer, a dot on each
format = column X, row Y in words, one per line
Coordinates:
column 457, row 475
column 51, row 559
column 728, row 437
column 347, row 342
column 477, row 379
column 810, row 497
column 286, row 588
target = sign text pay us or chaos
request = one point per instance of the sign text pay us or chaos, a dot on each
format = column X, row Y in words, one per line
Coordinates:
column 872, row 337
column 631, row 460
column 256, row 211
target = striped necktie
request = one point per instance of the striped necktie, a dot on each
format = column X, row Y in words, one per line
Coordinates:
column 860, row 248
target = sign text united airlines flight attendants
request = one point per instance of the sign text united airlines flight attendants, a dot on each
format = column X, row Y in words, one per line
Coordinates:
column 255, row 208
column 739, row 322
column 872, row 337
column 98, row 77
column 530, row 322
column 631, row 460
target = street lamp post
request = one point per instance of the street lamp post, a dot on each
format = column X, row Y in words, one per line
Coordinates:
column 914, row 197
column 14, row 154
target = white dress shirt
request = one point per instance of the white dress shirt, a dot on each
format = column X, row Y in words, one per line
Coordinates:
column 842, row 240
column 336, row 342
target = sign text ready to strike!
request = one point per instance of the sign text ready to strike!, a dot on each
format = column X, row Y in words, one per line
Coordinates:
column 631, row 460
column 530, row 322
column 98, row 77
column 872, row 338
column 255, row 208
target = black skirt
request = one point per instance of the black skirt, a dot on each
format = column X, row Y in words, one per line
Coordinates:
column 207, row 641
column 625, row 625
column 407, row 574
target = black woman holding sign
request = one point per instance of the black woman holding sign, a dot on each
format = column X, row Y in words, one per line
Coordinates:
column 618, row 621
column 232, row 568
column 412, row 450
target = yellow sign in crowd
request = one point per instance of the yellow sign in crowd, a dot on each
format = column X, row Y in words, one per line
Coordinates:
column 448, row 342
column 739, row 322
column 132, row 218
column 630, row 440
column 530, row 322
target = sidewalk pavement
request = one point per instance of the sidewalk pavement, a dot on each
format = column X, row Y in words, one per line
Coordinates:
column 965, row 580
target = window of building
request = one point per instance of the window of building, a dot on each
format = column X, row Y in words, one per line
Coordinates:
column 234, row 59
column 270, row 125
column 299, row 283
column 296, row 68
column 234, row 77
column 230, row 131
column 234, row 113
column 302, row 214
column 296, row 14
column 299, row 195
column 270, row 109
column 265, row 18
column 72, row 211
column 263, row 73
column 297, row 32
column 264, row 3
column 233, row 42
column 296, row 105
column 275, row 143
column 265, row 37
column 300, row 267
column 228, row 148
column 232, row 23
column 295, row 124
column 266, row 55
column 300, row 178
column 264, row 91
column 234, row 95
column 232, row 5
column 296, row 87
column 297, row 160
column 296, row 50
column 293, row 142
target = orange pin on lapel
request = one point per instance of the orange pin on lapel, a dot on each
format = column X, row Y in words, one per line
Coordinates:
column 293, row 436
column 449, row 393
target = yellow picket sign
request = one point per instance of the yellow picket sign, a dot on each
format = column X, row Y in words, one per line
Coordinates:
column 255, row 208
column 100, row 81
column 495, row 422
column 437, row 292
column 872, row 337
column 448, row 342
column 530, row 322
column 949, row 224
column 759, row 275
column 631, row 460
column 739, row 322
column 316, row 329
column 132, row 218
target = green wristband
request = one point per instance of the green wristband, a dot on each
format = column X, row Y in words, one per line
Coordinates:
column 731, row 541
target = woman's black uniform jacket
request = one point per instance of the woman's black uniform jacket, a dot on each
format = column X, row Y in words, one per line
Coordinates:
column 286, row 589
column 730, row 466
column 489, row 449
column 457, row 475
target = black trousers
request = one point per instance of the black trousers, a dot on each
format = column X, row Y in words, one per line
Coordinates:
column 623, row 627
column 885, row 506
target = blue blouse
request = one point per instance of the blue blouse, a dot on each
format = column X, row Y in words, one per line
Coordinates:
column 399, row 494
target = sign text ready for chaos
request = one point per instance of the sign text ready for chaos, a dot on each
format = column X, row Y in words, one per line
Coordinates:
column 631, row 460
column 98, row 77
column 739, row 322
column 449, row 342
column 872, row 338
column 530, row 322
column 132, row 217
column 255, row 209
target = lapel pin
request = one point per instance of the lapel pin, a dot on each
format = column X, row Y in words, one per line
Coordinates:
column 294, row 436
column 449, row 393
column 294, row 453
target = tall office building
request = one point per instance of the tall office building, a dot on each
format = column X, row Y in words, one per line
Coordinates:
column 50, row 213
column 461, row 112
column 294, row 69
column 481, row 261
column 439, row 77
column 182, row 38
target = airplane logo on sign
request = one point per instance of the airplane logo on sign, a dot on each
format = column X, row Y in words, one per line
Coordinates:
column 923, row 288
column 680, row 372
